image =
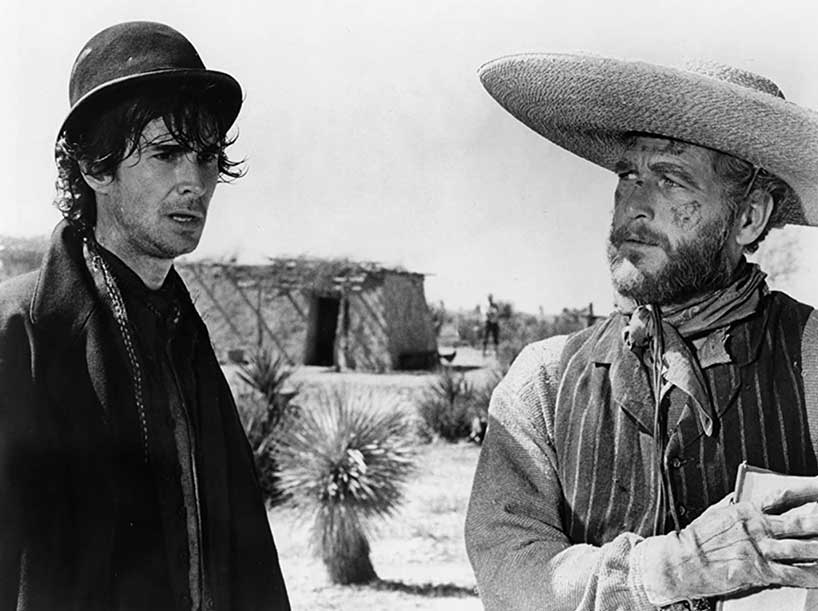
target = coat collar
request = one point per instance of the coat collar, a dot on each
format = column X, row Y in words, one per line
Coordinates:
column 63, row 298
column 630, row 388
column 608, row 344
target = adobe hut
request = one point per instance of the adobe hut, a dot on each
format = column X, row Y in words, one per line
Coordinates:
column 335, row 313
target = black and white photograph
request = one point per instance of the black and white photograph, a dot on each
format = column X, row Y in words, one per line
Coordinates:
column 439, row 305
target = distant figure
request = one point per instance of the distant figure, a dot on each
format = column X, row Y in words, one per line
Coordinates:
column 126, row 479
column 438, row 316
column 492, row 326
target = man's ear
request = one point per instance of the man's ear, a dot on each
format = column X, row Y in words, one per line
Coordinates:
column 753, row 219
column 99, row 184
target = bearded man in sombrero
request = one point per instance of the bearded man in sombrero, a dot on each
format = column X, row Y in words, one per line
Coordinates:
column 604, row 481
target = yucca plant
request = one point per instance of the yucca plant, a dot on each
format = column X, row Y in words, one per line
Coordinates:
column 267, row 375
column 264, row 412
column 345, row 461
column 444, row 408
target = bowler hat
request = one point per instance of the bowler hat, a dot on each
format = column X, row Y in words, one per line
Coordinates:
column 143, row 53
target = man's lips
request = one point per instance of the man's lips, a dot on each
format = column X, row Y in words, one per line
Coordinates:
column 186, row 216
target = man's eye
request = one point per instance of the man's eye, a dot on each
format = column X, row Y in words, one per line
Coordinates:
column 628, row 175
column 207, row 157
column 666, row 181
column 167, row 155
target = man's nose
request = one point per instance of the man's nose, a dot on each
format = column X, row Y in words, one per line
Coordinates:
column 637, row 200
column 190, row 175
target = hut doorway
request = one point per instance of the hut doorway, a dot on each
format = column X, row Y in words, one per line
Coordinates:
column 320, row 348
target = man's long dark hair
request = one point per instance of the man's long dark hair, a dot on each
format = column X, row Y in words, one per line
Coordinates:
column 100, row 140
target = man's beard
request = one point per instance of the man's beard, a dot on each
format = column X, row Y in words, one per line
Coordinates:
column 692, row 268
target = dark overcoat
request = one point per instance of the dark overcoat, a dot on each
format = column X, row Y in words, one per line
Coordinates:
column 59, row 385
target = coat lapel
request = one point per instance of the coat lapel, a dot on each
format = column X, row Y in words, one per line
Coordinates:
column 630, row 387
column 66, row 313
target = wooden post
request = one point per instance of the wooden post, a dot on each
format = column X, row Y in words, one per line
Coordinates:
column 295, row 305
column 260, row 340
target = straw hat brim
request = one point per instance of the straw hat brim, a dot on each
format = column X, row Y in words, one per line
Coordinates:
column 224, row 91
column 587, row 104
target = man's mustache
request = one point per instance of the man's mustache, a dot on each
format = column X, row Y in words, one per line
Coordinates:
column 639, row 233
column 194, row 205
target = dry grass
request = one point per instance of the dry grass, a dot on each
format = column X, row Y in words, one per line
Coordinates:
column 418, row 554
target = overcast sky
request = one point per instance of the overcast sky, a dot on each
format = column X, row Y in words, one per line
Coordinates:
column 368, row 134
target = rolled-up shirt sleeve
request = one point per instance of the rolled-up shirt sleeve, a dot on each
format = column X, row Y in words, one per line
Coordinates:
column 515, row 538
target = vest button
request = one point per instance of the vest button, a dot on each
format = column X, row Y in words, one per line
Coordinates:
column 681, row 509
column 675, row 462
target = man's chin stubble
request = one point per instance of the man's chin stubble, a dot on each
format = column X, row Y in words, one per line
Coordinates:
column 675, row 283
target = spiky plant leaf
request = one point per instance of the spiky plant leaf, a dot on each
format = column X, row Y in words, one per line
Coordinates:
column 445, row 408
column 346, row 460
column 267, row 375
column 347, row 449
column 449, row 386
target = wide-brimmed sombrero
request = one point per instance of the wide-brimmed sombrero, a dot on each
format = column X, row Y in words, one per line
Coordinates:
column 587, row 105
column 136, row 55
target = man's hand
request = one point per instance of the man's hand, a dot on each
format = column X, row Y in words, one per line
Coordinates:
column 734, row 547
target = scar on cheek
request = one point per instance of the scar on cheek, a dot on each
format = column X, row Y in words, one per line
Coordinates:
column 687, row 215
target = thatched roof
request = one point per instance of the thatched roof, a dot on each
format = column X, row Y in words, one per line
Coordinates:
column 304, row 273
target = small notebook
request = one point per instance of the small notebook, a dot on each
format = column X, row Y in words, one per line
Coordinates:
column 753, row 484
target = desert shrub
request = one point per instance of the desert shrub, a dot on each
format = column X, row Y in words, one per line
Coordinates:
column 252, row 410
column 345, row 461
column 480, row 399
column 445, row 409
column 268, row 375
column 264, row 412
column 481, row 392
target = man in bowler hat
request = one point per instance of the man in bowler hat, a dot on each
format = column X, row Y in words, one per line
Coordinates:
column 126, row 481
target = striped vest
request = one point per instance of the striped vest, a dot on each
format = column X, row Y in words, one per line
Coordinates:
column 603, row 424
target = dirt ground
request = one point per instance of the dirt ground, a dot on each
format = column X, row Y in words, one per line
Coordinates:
column 419, row 554
column 406, row 386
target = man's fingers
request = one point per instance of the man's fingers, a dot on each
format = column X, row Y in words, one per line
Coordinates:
column 799, row 523
column 796, row 576
column 802, row 490
column 790, row 550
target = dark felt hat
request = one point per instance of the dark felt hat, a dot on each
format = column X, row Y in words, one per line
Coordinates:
column 137, row 54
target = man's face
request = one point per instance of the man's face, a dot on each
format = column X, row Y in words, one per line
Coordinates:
column 156, row 204
column 671, row 226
